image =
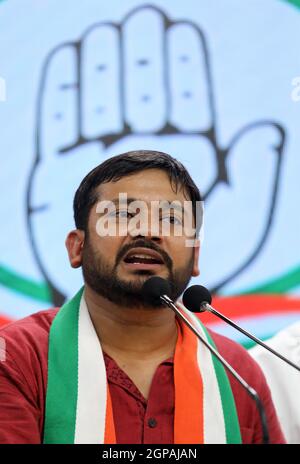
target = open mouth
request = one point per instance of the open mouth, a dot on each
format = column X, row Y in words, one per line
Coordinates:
column 143, row 257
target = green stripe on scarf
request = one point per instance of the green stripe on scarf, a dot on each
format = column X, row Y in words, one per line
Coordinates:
column 61, row 397
column 232, row 427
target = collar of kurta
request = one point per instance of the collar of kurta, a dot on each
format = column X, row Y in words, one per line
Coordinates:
column 78, row 401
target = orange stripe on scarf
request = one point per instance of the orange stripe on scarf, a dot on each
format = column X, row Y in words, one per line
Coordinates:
column 188, row 420
column 110, row 434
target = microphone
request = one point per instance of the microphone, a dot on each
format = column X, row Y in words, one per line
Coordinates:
column 158, row 289
column 198, row 299
column 154, row 288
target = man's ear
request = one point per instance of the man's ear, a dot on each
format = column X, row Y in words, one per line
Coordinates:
column 196, row 270
column 74, row 244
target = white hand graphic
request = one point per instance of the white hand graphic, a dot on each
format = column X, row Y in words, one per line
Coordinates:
column 146, row 84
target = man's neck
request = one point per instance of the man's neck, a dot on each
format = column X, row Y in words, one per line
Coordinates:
column 132, row 333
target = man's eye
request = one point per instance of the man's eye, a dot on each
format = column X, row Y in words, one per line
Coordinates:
column 172, row 220
column 123, row 214
column 119, row 214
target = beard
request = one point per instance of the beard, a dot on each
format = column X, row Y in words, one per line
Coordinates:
column 103, row 278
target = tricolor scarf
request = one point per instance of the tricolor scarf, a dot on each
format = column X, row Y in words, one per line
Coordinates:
column 78, row 402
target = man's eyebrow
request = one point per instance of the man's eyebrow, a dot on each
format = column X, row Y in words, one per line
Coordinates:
column 174, row 204
column 121, row 201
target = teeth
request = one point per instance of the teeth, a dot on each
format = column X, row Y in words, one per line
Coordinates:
column 142, row 256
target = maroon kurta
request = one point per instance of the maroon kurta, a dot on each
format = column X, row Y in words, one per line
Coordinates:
column 23, row 381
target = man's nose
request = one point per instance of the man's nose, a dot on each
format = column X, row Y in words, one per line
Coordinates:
column 148, row 227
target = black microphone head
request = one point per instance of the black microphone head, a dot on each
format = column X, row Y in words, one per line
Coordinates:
column 154, row 288
column 194, row 296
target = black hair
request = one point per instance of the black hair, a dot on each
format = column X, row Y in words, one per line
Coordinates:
column 113, row 169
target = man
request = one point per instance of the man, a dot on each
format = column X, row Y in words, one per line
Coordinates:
column 284, row 380
column 110, row 366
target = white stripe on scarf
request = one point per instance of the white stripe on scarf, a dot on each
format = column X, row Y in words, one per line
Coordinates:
column 92, row 383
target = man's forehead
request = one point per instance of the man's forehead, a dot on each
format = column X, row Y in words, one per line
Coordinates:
column 151, row 184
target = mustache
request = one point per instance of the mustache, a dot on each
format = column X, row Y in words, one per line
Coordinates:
column 144, row 244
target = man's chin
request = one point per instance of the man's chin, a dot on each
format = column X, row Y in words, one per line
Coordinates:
column 141, row 275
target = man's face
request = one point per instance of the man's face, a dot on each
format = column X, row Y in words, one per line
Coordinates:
column 117, row 265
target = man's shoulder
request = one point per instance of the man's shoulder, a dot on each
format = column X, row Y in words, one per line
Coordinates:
column 227, row 344
column 38, row 320
column 30, row 332
column 237, row 356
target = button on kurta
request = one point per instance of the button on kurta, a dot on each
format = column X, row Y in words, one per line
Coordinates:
column 152, row 422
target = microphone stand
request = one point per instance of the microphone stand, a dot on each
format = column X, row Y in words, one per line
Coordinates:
column 253, row 394
column 206, row 306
